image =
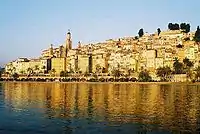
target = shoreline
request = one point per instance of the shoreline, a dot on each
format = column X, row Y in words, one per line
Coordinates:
column 144, row 83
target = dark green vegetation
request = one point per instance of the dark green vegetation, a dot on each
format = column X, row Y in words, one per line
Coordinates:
column 141, row 32
column 197, row 35
column 183, row 26
column 185, row 67
column 159, row 31
column 164, row 73
column 172, row 26
column 144, row 76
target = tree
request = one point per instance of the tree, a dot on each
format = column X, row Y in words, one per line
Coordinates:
column 0, row 74
column 62, row 73
column 187, row 63
column 187, row 29
column 29, row 70
column 170, row 26
column 15, row 76
column 197, row 73
column 183, row 26
column 130, row 71
column 173, row 26
column 197, row 35
column 53, row 71
column 144, row 76
column 103, row 70
column 2, row 71
column 164, row 73
column 179, row 46
column 43, row 68
column 36, row 69
column 98, row 68
column 187, row 66
column 176, row 27
column 141, row 32
column 116, row 73
column 159, row 31
column 178, row 66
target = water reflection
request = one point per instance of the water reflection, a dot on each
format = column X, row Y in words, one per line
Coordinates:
column 126, row 107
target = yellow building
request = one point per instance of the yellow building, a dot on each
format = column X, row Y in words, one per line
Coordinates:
column 58, row 65
column 159, row 62
column 98, row 62
column 181, row 54
column 83, row 63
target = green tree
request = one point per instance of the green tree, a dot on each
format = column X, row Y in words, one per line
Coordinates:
column 178, row 66
column 0, row 74
column 187, row 29
column 197, row 35
column 116, row 73
column 130, row 71
column 103, row 70
column 173, row 26
column 98, row 68
column 15, row 76
column 36, row 69
column 62, row 74
column 141, row 32
column 164, row 73
column 183, row 26
column 187, row 63
column 144, row 76
column 29, row 70
column 197, row 73
column 187, row 66
column 53, row 71
column 159, row 31
column 170, row 26
column 43, row 68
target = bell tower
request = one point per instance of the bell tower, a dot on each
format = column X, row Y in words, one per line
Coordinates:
column 68, row 42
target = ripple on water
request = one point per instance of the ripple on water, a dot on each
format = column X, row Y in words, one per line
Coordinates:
column 99, row 108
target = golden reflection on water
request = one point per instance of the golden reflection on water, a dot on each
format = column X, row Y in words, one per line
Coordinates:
column 175, row 107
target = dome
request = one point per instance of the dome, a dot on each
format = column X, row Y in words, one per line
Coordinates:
column 68, row 32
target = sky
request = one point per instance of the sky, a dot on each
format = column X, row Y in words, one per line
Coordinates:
column 29, row 26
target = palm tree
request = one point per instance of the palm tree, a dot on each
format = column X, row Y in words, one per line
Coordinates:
column 178, row 66
column 36, row 69
column 197, row 74
column 29, row 70
column 130, row 71
column 144, row 76
column 62, row 74
column 13, row 70
column 187, row 66
column 164, row 73
column 15, row 76
column 98, row 68
column 53, row 71
column 116, row 73
column 43, row 68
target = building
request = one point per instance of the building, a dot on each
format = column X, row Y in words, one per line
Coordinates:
column 57, row 65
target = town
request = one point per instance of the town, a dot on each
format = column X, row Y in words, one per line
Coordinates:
column 166, row 55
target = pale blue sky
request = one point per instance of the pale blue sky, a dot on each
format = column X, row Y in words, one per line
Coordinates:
column 28, row 26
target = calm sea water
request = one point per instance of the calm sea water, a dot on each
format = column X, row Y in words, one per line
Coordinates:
column 99, row 108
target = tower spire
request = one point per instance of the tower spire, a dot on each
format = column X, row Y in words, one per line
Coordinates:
column 68, row 42
column 68, row 31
